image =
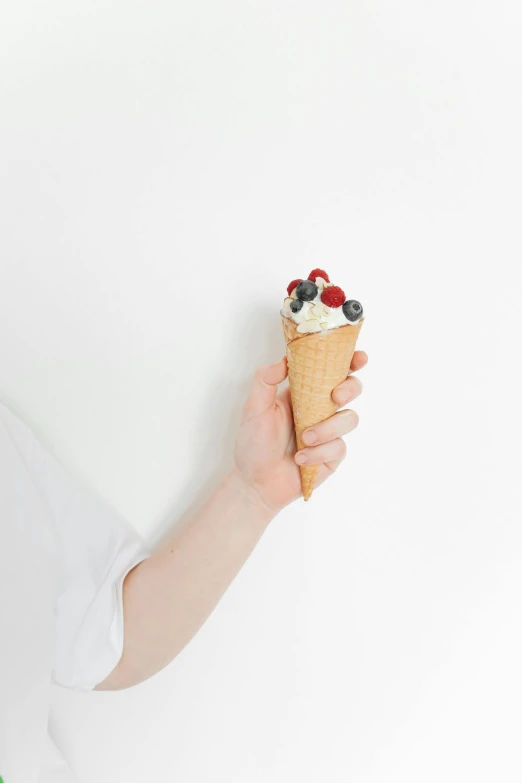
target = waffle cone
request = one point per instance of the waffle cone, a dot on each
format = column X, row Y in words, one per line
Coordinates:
column 317, row 363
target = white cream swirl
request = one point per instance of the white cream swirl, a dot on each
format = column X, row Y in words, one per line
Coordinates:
column 314, row 316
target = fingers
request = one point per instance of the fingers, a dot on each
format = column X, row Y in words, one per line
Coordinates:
column 336, row 426
column 347, row 391
column 333, row 451
column 359, row 360
column 326, row 470
column 323, row 442
column 264, row 388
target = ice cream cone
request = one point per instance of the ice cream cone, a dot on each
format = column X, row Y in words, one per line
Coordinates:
column 317, row 363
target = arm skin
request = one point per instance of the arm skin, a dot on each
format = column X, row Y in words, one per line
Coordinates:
column 168, row 597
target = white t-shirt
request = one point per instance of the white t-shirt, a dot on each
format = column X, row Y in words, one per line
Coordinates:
column 64, row 553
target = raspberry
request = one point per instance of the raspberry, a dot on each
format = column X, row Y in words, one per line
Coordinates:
column 333, row 296
column 315, row 273
column 292, row 285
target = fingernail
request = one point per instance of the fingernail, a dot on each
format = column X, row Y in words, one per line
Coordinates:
column 309, row 437
column 300, row 458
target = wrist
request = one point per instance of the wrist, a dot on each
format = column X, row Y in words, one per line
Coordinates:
column 251, row 497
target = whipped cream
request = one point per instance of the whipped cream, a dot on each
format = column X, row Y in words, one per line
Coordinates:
column 315, row 316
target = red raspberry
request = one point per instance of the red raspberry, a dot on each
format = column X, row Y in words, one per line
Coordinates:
column 292, row 285
column 315, row 273
column 333, row 296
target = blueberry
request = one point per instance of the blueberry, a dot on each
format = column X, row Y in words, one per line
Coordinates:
column 306, row 291
column 352, row 310
column 296, row 305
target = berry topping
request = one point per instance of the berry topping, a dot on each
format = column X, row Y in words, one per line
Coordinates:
column 306, row 291
column 292, row 285
column 315, row 273
column 296, row 305
column 352, row 309
column 333, row 296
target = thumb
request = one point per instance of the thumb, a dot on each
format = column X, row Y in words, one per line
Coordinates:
column 264, row 388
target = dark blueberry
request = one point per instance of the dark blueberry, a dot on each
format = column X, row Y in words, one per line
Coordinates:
column 306, row 291
column 296, row 305
column 352, row 310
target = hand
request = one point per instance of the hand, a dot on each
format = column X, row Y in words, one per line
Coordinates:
column 265, row 446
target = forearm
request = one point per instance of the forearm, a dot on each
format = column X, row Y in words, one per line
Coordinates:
column 168, row 597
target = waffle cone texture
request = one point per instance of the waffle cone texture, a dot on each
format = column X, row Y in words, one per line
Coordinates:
column 317, row 363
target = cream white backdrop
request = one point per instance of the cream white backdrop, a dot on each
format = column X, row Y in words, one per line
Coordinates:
column 166, row 169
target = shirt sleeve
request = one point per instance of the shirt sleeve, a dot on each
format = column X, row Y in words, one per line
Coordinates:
column 96, row 549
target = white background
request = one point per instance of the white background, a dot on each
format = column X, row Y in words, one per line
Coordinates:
column 166, row 169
